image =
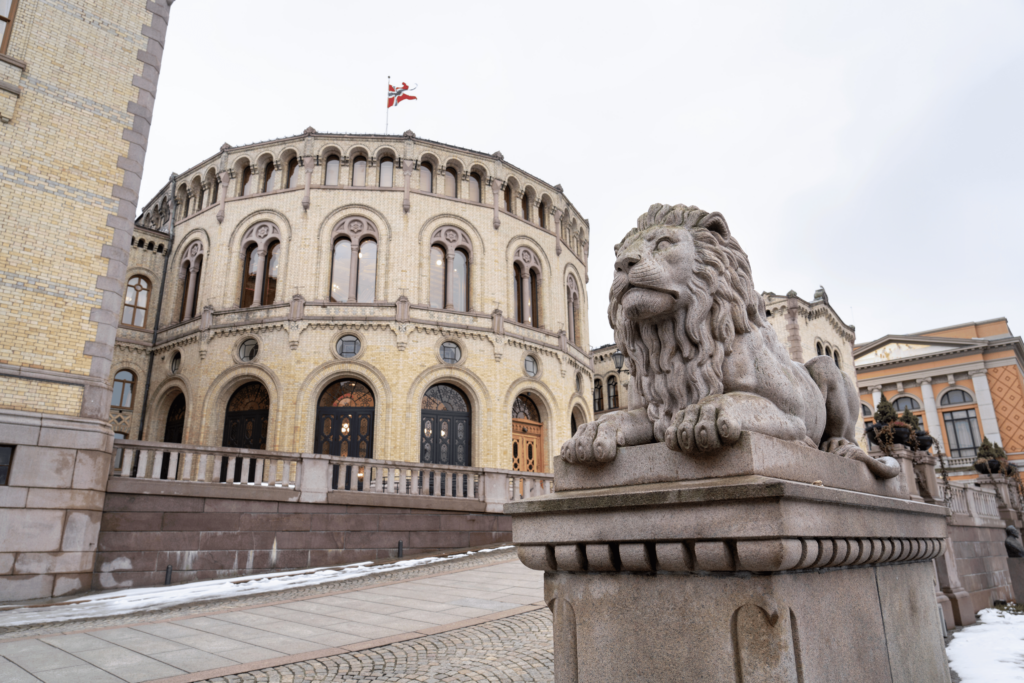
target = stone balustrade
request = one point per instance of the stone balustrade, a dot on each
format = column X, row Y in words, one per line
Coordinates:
column 970, row 501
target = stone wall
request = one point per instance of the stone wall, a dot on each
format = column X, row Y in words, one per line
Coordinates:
column 205, row 538
column 980, row 553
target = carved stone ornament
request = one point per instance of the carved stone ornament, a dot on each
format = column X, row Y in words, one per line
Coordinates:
column 452, row 238
column 526, row 258
column 677, row 330
column 260, row 235
column 355, row 227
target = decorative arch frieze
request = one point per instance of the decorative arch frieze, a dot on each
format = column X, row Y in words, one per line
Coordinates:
column 528, row 260
column 261, row 235
column 190, row 255
column 452, row 238
column 356, row 228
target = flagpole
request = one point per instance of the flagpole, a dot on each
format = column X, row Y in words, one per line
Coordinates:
column 388, row 115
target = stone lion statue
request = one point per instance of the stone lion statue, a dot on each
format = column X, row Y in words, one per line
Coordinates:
column 705, row 363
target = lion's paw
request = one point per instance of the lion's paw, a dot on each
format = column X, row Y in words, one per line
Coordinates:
column 593, row 443
column 703, row 426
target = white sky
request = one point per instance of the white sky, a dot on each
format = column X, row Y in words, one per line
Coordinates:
column 875, row 148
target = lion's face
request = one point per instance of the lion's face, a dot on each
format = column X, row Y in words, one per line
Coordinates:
column 652, row 272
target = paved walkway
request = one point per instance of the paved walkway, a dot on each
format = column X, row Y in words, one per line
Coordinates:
column 415, row 623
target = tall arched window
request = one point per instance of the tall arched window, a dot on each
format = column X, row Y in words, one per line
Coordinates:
column 451, row 182
column 526, row 207
column 294, row 172
column 542, row 216
column 820, row 349
column 445, row 436
column 249, row 269
column 344, row 420
column 247, row 182
column 598, row 396
column 191, row 274
column 341, row 269
column 955, row 397
column 214, row 187
column 124, row 390
column 136, row 302
column 572, row 310
column 269, row 177
column 508, row 198
column 426, row 177
column 474, row 187
column 270, row 273
column 245, row 422
column 200, row 202
column 359, row 172
column 835, row 357
column 332, row 170
column 386, row 177
column 460, row 281
column 613, row 393
column 438, row 272
column 366, row 286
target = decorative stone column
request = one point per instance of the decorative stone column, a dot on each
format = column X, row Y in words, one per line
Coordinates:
column 407, row 167
column 189, row 312
column 932, row 413
column 986, row 411
column 876, row 395
column 495, row 192
column 766, row 560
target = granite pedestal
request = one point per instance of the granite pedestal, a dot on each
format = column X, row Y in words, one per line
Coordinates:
column 798, row 566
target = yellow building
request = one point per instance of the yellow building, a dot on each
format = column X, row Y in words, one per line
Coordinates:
column 963, row 382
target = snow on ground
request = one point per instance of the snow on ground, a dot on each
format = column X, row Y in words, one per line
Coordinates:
column 990, row 651
column 147, row 599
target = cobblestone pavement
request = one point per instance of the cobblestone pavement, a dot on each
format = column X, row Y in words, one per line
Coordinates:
column 513, row 649
column 197, row 608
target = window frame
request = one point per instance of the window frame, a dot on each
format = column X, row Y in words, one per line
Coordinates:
column 355, row 166
column 426, row 166
column 266, row 298
column 613, row 392
column 474, row 177
column 292, row 170
column 335, row 158
column 380, row 172
column 9, row 28
column 135, row 308
column 598, row 395
column 131, row 386
column 949, row 427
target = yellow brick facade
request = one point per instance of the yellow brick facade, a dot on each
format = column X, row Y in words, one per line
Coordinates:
column 39, row 397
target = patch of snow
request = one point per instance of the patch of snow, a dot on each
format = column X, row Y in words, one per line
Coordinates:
column 990, row 651
column 147, row 599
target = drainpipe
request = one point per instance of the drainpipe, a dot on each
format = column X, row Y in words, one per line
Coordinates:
column 159, row 304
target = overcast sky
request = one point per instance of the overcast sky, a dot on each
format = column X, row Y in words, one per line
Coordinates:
column 875, row 148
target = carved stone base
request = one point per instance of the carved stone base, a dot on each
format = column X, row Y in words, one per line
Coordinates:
column 742, row 578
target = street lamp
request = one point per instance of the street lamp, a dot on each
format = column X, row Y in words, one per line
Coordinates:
column 618, row 358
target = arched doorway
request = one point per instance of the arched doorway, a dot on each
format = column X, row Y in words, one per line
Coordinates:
column 344, row 420
column 445, row 426
column 527, row 436
column 174, row 430
column 247, row 416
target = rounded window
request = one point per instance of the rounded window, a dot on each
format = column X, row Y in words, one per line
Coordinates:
column 451, row 353
column 348, row 346
column 248, row 350
column 579, row 382
column 955, row 397
column 530, row 365
column 176, row 362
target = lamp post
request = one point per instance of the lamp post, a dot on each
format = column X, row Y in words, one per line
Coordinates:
column 618, row 358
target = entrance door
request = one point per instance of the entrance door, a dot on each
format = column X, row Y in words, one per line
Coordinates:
column 175, row 428
column 527, row 436
column 247, row 416
column 344, row 420
column 445, row 423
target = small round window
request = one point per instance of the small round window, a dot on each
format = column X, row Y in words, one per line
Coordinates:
column 450, row 352
column 348, row 346
column 176, row 362
column 530, row 365
column 248, row 350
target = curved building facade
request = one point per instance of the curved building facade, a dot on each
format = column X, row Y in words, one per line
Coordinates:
column 367, row 296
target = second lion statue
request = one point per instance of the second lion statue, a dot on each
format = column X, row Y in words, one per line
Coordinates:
column 705, row 364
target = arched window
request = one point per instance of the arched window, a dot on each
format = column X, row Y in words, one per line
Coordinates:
column 474, row 187
column 426, row 177
column 598, row 396
column 460, row 281
column 174, row 428
column 270, row 272
column 294, row 171
column 332, row 170
column 445, row 426
column 366, row 286
column 344, row 420
column 905, row 402
column 517, row 285
column 249, row 270
column 613, row 393
column 214, row 186
column 386, row 177
column 247, row 182
column 269, row 177
column 246, row 418
column 956, row 397
column 865, row 410
column 962, row 432
column 136, row 302
column 820, row 349
column 508, row 198
column 835, row 356
column 526, row 287
column 202, row 198
column 124, row 390
column 359, row 172
column 451, row 182
column 190, row 289
column 526, row 208
column 341, row 269
column 572, row 311
column 542, row 216
column 438, row 277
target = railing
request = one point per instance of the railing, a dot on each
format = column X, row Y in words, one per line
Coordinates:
column 957, row 499
column 958, row 462
column 312, row 472
column 987, row 503
column 970, row 501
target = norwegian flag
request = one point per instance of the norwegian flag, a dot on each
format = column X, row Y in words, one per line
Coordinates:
column 396, row 95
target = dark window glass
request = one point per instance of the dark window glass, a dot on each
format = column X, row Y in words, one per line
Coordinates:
column 526, row 208
column 460, row 281
column 195, row 290
column 124, row 385
column 508, row 198
column 346, row 394
column 451, row 183
column 293, row 173
column 201, row 199
column 530, row 365
column 517, row 285
column 331, row 170
column 598, row 396
column 613, row 393
column 426, row 177
column 214, row 186
column 248, row 350
column 245, row 426
column 341, row 268
column 523, row 408
column 865, row 411
column 450, row 352
column 348, row 346
column 359, row 172
column 542, row 216
column 445, row 397
column 955, row 397
column 6, row 454
column 821, row 351
column 249, row 276
column 532, row 312
column 184, row 293
column 269, row 177
column 835, row 355
column 474, row 187
column 136, row 302
column 270, row 273
column 572, row 425
column 437, row 277
column 904, row 402
column 962, row 430
column 247, row 181
column 387, row 173
column 366, row 286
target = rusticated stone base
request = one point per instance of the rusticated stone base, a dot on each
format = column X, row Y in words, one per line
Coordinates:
column 742, row 578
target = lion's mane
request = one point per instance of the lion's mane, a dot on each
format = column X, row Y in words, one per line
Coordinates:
column 678, row 361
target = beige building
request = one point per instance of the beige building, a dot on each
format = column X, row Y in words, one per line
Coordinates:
column 370, row 296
